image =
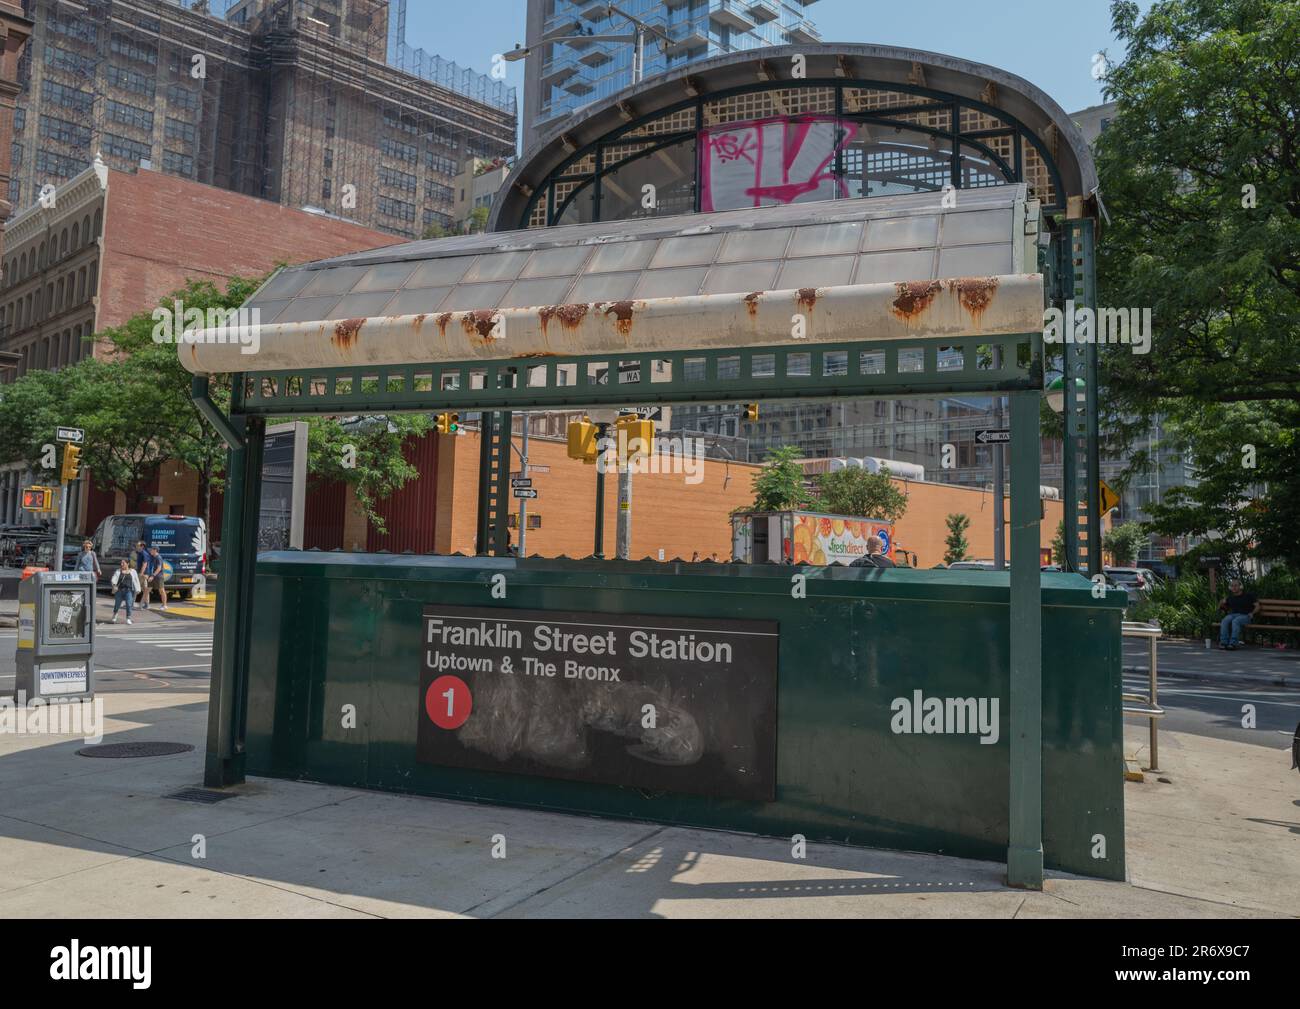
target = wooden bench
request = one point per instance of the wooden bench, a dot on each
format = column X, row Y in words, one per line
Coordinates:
column 1276, row 616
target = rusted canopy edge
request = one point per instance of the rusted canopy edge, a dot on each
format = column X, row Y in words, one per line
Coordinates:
column 923, row 309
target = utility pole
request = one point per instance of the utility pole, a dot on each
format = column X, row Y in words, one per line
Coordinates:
column 623, row 539
column 523, row 501
column 601, row 447
column 999, row 481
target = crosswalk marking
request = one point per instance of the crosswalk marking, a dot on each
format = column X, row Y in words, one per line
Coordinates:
column 198, row 644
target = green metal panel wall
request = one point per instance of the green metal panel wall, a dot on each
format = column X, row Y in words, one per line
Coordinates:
column 337, row 629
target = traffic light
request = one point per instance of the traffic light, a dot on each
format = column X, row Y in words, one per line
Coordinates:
column 38, row 499
column 582, row 441
column 636, row 436
column 448, row 423
column 71, row 463
column 751, row 411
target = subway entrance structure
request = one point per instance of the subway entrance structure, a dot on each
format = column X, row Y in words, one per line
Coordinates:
column 890, row 224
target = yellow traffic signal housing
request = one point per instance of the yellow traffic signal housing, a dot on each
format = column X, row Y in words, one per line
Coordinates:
column 636, row 437
column 751, row 411
column 448, row 423
column 71, row 463
column 582, row 441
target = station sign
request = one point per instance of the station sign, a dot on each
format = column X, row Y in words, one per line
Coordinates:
column 653, row 702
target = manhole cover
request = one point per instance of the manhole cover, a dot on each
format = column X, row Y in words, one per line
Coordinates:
column 134, row 749
column 204, row 795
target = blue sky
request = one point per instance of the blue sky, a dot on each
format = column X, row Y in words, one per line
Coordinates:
column 1048, row 42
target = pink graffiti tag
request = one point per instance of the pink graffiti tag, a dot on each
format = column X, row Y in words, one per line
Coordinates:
column 768, row 160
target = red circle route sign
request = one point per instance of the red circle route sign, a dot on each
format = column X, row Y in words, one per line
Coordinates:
column 448, row 702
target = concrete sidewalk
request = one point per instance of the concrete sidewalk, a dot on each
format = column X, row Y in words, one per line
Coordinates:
column 95, row 837
column 155, row 614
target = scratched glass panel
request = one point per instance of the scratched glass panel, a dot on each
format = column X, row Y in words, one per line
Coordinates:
column 267, row 310
column 417, row 300
column 901, row 233
column 471, row 297
column 977, row 227
column 556, row 262
column 670, row 283
column 756, row 243
column 798, row 364
column 498, row 266
column 763, row 366
column 528, row 293
column 618, row 256
column 361, row 306
column 871, row 362
column 829, row 272
column 285, row 284
column 888, row 267
column 333, row 280
column 826, row 239
column 741, row 278
column 975, row 260
column 384, row 277
column 440, row 272
column 605, row 287
column 911, row 359
column 308, row 310
column 687, row 250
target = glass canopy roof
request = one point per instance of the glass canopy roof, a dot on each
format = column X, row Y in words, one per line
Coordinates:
column 847, row 242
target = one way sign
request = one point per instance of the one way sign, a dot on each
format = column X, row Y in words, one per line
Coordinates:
column 994, row 436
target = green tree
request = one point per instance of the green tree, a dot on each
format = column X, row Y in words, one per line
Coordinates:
column 956, row 545
column 1200, row 174
column 779, row 485
column 434, row 230
column 478, row 218
column 365, row 454
column 1124, row 541
column 853, row 491
column 1058, row 545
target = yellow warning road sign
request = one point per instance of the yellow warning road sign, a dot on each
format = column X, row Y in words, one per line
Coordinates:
column 1109, row 499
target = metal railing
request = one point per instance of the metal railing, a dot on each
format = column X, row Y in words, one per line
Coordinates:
column 1146, row 705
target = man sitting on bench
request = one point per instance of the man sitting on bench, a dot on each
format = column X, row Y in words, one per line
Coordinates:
column 1240, row 606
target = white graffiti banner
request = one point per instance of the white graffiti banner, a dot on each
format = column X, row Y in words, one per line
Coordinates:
column 770, row 162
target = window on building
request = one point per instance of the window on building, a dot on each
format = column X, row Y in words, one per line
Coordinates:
column 66, row 59
column 178, row 164
column 326, row 189
column 432, row 217
column 438, row 163
column 126, row 149
column 181, row 98
column 129, row 80
column 54, row 93
column 58, row 166
column 395, row 179
column 436, row 192
column 396, row 209
column 179, row 131
column 64, row 131
column 396, row 149
column 128, row 115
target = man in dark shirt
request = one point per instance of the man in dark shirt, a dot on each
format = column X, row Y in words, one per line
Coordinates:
column 874, row 557
column 1240, row 606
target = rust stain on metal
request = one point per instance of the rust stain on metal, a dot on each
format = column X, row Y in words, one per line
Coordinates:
column 974, row 293
column 478, row 323
column 807, row 298
column 345, row 333
column 419, row 320
column 751, row 302
column 537, row 353
column 622, row 312
column 914, row 297
column 569, row 315
column 442, row 321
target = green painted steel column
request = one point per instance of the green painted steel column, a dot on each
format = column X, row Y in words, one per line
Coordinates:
column 1025, row 851
column 233, row 633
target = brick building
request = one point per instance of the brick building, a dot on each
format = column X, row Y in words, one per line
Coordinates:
column 111, row 245
column 436, row 513
column 14, row 32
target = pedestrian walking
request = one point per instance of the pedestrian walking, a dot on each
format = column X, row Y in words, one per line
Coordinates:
column 142, row 572
column 126, row 586
column 88, row 560
column 157, row 576
column 1240, row 606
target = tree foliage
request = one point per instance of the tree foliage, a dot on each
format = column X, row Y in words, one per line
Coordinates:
column 859, row 492
column 1200, row 174
column 779, row 485
column 1124, row 541
column 956, row 548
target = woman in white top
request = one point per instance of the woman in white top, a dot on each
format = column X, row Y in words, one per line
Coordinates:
column 126, row 586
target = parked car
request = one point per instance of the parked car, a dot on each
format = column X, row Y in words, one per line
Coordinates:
column 44, row 553
column 1136, row 582
column 17, row 544
column 182, row 542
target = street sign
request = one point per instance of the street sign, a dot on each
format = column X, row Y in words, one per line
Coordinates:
column 644, row 412
column 527, row 492
column 520, row 481
column 1109, row 499
column 994, row 436
column 73, row 434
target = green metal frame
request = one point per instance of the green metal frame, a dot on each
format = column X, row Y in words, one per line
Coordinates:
column 898, row 368
column 885, row 368
column 927, row 100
